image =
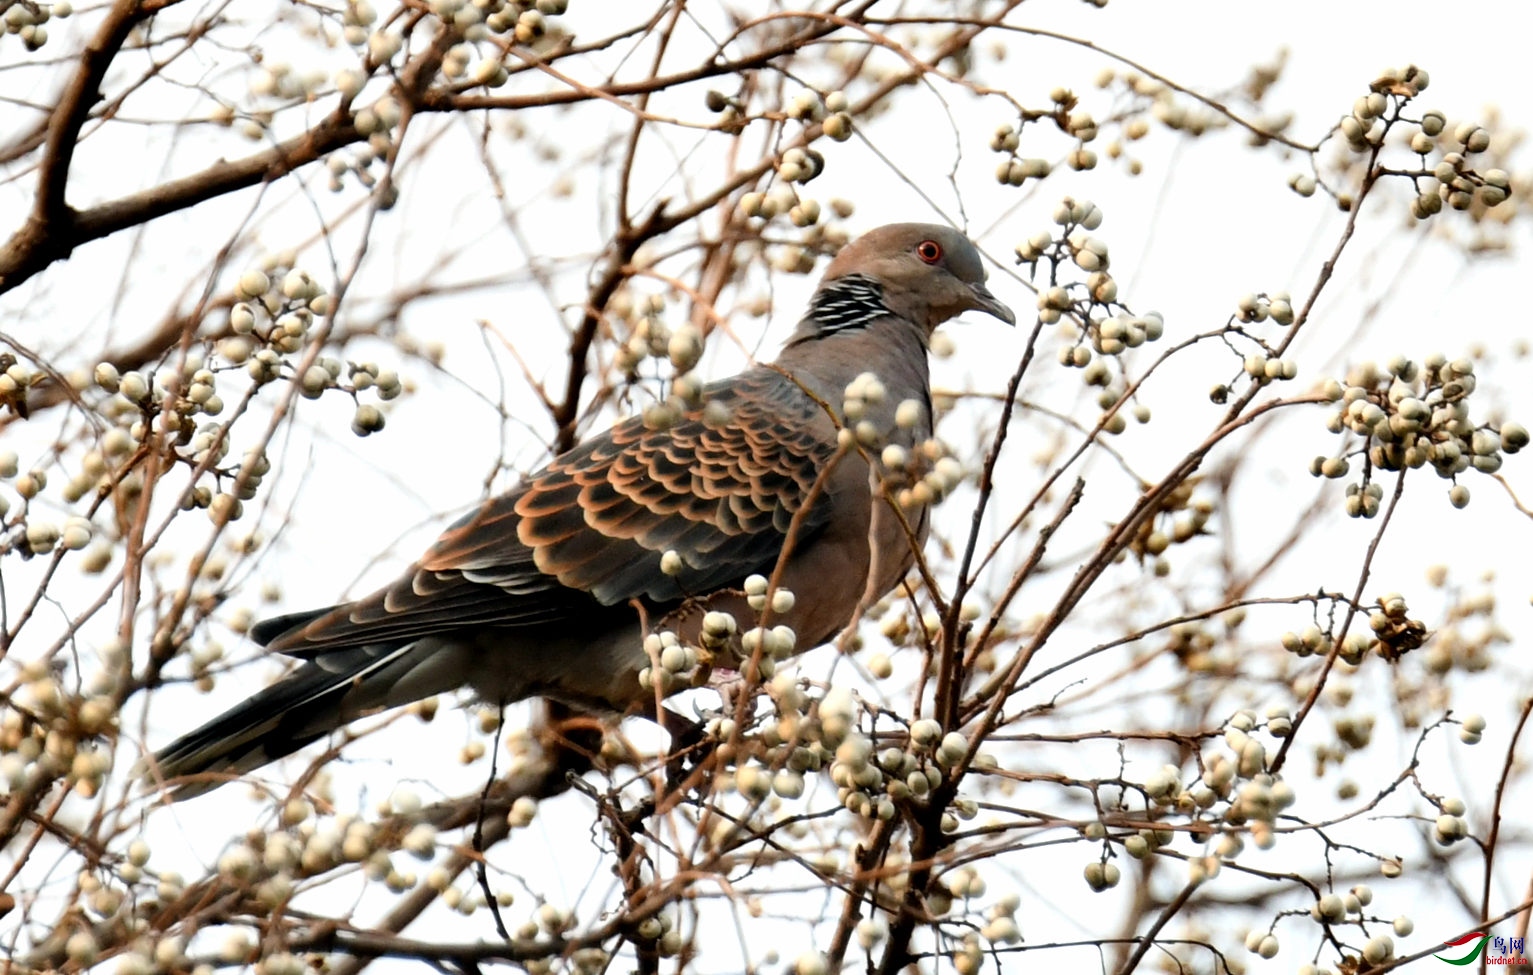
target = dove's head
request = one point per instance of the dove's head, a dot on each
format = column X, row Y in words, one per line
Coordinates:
column 929, row 273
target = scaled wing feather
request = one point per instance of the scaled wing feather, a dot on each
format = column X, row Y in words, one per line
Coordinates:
column 591, row 528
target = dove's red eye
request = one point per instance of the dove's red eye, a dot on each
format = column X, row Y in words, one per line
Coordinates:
column 929, row 251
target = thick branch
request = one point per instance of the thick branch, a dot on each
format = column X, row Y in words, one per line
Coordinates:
column 41, row 242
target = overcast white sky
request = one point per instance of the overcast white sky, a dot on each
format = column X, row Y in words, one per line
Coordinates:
column 1204, row 224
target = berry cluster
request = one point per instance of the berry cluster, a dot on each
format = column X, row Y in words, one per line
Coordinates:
column 1410, row 415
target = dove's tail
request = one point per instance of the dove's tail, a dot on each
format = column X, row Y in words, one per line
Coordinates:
column 316, row 698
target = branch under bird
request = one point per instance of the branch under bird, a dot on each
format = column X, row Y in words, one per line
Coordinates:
column 544, row 591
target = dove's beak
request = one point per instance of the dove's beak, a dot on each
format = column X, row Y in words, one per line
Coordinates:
column 991, row 305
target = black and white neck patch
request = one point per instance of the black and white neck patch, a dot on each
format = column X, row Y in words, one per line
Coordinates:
column 848, row 302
